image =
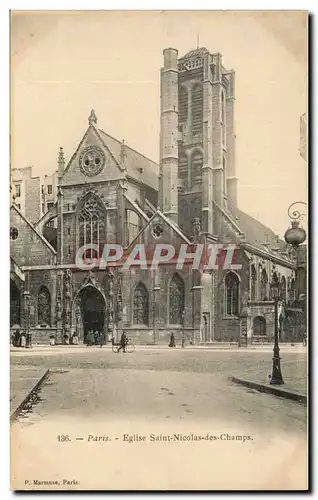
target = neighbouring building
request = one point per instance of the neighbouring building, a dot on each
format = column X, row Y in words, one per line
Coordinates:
column 25, row 191
column 108, row 192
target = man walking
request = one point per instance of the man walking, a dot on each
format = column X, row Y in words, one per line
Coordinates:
column 123, row 342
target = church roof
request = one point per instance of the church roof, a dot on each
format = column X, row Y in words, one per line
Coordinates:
column 199, row 52
column 139, row 167
column 257, row 233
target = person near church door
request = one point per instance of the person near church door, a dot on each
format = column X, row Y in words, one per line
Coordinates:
column 101, row 339
column 172, row 342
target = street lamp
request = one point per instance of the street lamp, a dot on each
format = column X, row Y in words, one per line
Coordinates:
column 276, row 378
column 295, row 235
column 27, row 298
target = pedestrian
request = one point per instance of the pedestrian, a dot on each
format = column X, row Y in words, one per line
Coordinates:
column 89, row 338
column 22, row 342
column 75, row 339
column 172, row 342
column 123, row 342
column 304, row 339
column 101, row 339
column 16, row 340
column 96, row 337
column 52, row 340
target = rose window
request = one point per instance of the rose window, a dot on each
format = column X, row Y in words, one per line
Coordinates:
column 92, row 161
column 157, row 230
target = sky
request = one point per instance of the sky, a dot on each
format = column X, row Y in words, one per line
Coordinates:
column 65, row 63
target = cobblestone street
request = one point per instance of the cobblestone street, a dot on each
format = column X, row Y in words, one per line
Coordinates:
column 95, row 393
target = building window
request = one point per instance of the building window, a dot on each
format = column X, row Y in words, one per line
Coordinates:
column 292, row 290
column 18, row 206
column 14, row 233
column 259, row 326
column 44, row 306
column 17, row 190
column 232, row 286
column 223, row 120
column 141, row 305
column 224, row 177
column 196, row 167
column 49, row 189
column 68, row 230
column 283, row 289
column 176, row 300
column 49, row 205
column 264, row 285
column 274, row 280
column 91, row 224
column 253, row 282
column 197, row 109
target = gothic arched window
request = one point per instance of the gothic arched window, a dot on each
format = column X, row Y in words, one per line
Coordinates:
column 15, row 305
column 276, row 281
column 223, row 119
column 232, row 285
column 183, row 104
column 44, row 306
column 283, row 289
column 259, row 325
column 91, row 223
column 264, row 285
column 176, row 300
column 183, row 171
column 253, row 282
column 132, row 225
column 141, row 305
column 197, row 109
column 292, row 290
column 196, row 166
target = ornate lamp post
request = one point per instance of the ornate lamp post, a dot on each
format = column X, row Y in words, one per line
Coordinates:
column 27, row 297
column 295, row 235
column 276, row 378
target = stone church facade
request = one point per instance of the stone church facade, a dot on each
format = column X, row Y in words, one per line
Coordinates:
column 109, row 193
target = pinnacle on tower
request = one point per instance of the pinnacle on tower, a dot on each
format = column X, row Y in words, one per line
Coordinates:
column 61, row 162
column 92, row 119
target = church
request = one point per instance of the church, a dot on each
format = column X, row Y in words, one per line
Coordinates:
column 110, row 193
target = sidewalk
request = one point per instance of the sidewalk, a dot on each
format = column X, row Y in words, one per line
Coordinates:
column 294, row 375
column 212, row 346
column 23, row 381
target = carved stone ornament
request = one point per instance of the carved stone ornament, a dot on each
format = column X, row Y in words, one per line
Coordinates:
column 92, row 161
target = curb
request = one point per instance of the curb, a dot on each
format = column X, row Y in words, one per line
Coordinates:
column 269, row 389
column 28, row 397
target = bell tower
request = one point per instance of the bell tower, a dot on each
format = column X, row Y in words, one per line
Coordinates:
column 197, row 110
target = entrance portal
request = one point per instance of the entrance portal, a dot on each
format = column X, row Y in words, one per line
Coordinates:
column 93, row 311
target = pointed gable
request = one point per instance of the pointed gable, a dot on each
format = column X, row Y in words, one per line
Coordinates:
column 160, row 229
column 92, row 161
column 28, row 246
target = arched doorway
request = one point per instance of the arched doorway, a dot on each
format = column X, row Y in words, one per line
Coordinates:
column 92, row 305
column 259, row 326
column 15, row 304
